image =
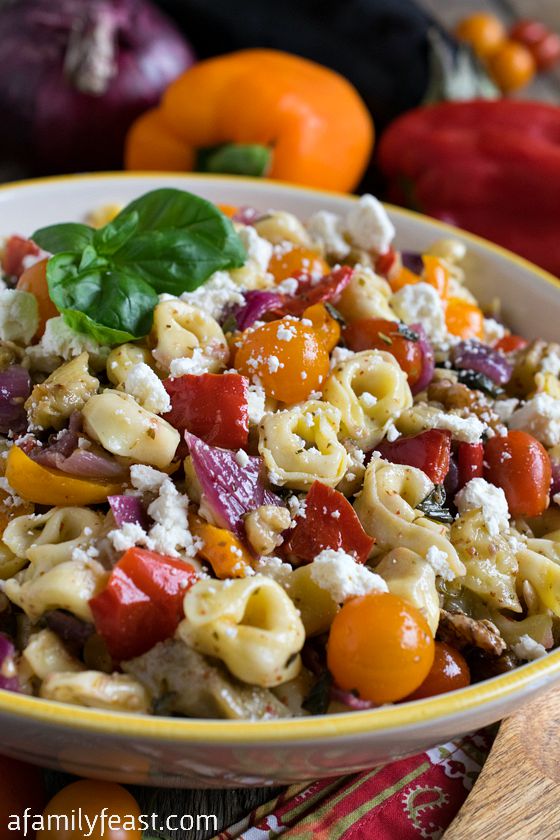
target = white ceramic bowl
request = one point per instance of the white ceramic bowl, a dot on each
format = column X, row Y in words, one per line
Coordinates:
column 201, row 753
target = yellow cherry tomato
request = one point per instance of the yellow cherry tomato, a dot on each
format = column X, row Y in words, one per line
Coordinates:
column 296, row 261
column 484, row 32
column 326, row 326
column 464, row 319
column 95, row 799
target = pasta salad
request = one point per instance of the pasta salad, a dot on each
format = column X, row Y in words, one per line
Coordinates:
column 256, row 466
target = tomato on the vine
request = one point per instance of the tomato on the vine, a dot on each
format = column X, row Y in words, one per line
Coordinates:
column 379, row 334
column 448, row 672
column 520, row 465
column 94, row 798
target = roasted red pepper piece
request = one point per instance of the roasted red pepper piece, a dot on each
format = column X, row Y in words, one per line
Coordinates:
column 511, row 343
column 15, row 250
column 429, row 451
column 142, row 603
column 470, row 462
column 211, row 406
column 328, row 289
column 329, row 521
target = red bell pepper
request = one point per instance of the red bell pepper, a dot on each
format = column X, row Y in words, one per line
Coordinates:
column 429, row 451
column 142, row 603
column 328, row 289
column 15, row 250
column 511, row 343
column 492, row 167
column 470, row 462
column 329, row 521
column 211, row 406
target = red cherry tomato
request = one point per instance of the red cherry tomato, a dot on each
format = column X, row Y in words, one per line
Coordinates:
column 22, row 787
column 520, row 465
column 448, row 672
column 546, row 52
column 378, row 334
column 470, row 462
column 94, row 798
column 511, row 343
column 528, row 32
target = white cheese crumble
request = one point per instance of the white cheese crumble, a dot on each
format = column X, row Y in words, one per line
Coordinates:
column 419, row 303
column 550, row 362
column 215, row 295
column 466, row 429
column 327, row 230
column 19, row 315
column 296, row 506
column 285, row 333
column 274, row 568
column 289, row 286
column 493, row 330
column 540, row 416
column 241, row 457
column 259, row 250
column 196, row 364
column 340, row 354
column 127, row 536
column 505, row 408
column 527, row 648
column 439, row 563
column 256, row 399
column 12, row 499
column 367, row 400
column 368, row 225
column 340, row 574
column 61, row 340
column 392, row 433
column 146, row 387
column 479, row 494
column 274, row 364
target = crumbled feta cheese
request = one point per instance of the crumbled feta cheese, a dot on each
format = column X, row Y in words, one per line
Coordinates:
column 478, row 494
column 419, row 303
column 215, row 295
column 147, row 388
column 241, row 457
column 127, row 536
column 285, row 333
column 340, row 574
column 550, row 362
column 197, row 363
column 466, row 429
column 340, row 354
column 274, row 568
column 540, row 416
column 61, row 340
column 146, row 479
column 392, row 433
column 296, row 506
column 527, row 648
column 327, row 230
column 19, row 315
column 368, row 225
column 84, row 554
column 439, row 563
column 274, row 364
column 493, row 330
column 256, row 399
column 367, row 399
column 11, row 499
column 259, row 250
column 505, row 408
column 289, row 286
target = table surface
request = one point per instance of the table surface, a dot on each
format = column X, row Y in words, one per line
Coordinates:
column 229, row 806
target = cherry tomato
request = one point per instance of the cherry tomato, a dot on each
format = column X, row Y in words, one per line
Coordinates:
column 94, row 798
column 511, row 343
column 448, row 672
column 435, row 273
column 34, row 280
column 228, row 210
column 326, row 326
column 484, row 32
column 512, row 66
column 379, row 646
column 528, row 32
column 546, row 52
column 289, row 358
column 295, row 262
column 388, row 264
column 464, row 319
column 520, row 465
column 378, row 334
column 22, row 787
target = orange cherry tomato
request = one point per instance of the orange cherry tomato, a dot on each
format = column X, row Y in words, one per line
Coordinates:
column 228, row 210
column 520, row 465
column 464, row 319
column 94, row 798
column 448, row 672
column 511, row 343
column 435, row 273
column 379, row 646
column 326, row 326
column 22, row 787
column 34, row 280
column 378, row 334
column 404, row 277
column 295, row 262
column 512, row 66
column 289, row 368
column 484, row 32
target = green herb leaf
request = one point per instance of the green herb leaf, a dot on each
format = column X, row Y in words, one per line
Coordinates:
column 113, row 236
column 334, row 313
column 433, row 505
column 66, row 237
column 407, row 332
column 318, row 699
column 479, row 382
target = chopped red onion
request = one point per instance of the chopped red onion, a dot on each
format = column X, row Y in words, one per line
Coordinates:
column 15, row 387
column 71, row 629
column 428, row 359
column 257, row 303
column 229, row 489
column 8, row 681
column 451, row 481
column 555, row 483
column 247, row 215
column 128, row 509
column 65, row 455
column 413, row 261
column 350, row 699
column 474, row 355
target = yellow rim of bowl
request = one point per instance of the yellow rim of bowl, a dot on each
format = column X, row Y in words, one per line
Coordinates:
column 313, row 728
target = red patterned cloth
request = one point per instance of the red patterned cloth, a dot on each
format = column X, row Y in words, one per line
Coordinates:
column 414, row 798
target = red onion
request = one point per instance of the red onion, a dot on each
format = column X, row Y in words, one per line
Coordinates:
column 255, row 306
column 65, row 454
column 78, row 72
column 350, row 699
column 230, row 490
column 428, row 359
column 15, row 387
column 555, row 483
column 451, row 482
column 8, row 681
column 473, row 355
column 128, row 509
column 71, row 629
column 413, row 261
column 247, row 215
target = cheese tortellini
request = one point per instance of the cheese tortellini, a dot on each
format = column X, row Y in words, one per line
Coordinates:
column 300, row 445
column 182, row 330
column 250, row 624
column 366, row 296
column 369, row 389
column 413, row 579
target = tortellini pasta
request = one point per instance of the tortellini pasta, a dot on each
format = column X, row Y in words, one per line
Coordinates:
column 300, row 445
column 65, row 391
column 387, row 510
column 279, row 227
column 369, row 389
column 542, row 573
column 366, row 296
column 47, row 539
column 413, row 579
column 180, row 329
column 118, row 692
column 250, row 624
column 46, row 654
column 123, row 358
column 316, row 605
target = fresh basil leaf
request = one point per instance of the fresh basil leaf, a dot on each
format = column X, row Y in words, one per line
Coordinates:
column 66, row 237
column 318, row 699
column 478, row 381
column 433, row 505
column 407, row 332
column 104, row 302
column 113, row 236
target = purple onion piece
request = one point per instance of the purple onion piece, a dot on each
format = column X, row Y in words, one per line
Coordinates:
column 428, row 359
column 474, row 355
column 91, row 463
column 247, row 215
column 129, row 509
column 555, row 483
column 230, row 490
column 255, row 306
column 8, row 681
column 15, row 387
column 451, row 481
column 350, row 699
column 71, row 629
column 413, row 261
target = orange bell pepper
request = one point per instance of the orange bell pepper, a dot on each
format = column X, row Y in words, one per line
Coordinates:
column 226, row 554
column 279, row 114
column 46, row 486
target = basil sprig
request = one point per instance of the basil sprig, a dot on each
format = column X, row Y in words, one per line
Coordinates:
column 106, row 282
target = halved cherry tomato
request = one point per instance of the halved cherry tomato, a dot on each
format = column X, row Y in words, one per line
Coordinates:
column 378, row 334
column 22, row 787
column 379, row 646
column 470, row 462
column 93, row 799
column 34, row 280
column 17, row 247
column 520, row 465
column 435, row 273
column 326, row 326
column 327, row 289
column 448, row 672
column 228, row 210
column 464, row 319
column 295, row 262
column 429, row 451
column 483, row 31
column 511, row 343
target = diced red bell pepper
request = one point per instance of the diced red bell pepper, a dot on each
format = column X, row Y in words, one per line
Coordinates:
column 511, row 343
column 142, row 603
column 211, row 406
column 470, row 462
column 388, row 263
column 329, row 521
column 328, row 289
column 429, row 451
column 17, row 247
